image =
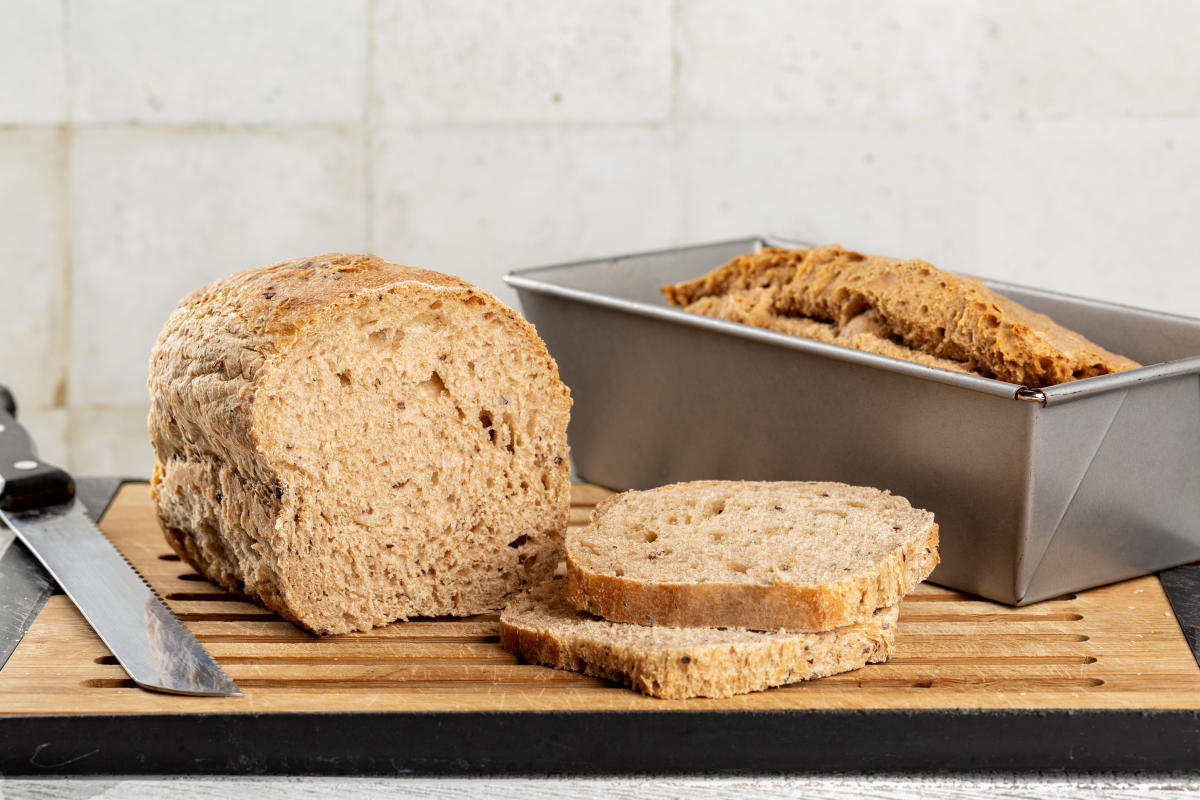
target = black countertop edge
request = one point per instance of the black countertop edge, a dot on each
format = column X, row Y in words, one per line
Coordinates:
column 1182, row 587
column 603, row 742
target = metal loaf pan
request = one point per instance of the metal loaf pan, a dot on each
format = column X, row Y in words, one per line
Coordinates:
column 1038, row 492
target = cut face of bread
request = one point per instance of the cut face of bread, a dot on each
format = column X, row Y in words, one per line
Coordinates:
column 903, row 309
column 541, row 626
column 760, row 555
column 353, row 442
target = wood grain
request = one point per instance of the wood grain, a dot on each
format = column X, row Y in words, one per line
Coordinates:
column 1117, row 646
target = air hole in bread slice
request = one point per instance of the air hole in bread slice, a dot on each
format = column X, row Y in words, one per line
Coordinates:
column 431, row 388
column 385, row 337
column 833, row 512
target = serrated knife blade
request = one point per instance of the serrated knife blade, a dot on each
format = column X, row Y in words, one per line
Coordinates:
column 147, row 639
column 37, row 501
column 25, row 586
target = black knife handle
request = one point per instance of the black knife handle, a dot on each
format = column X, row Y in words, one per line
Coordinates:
column 28, row 482
column 7, row 401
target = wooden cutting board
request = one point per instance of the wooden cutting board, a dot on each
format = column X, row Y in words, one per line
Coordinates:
column 1116, row 647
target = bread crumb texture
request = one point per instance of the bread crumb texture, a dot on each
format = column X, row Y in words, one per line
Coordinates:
column 542, row 626
column 353, row 442
column 904, row 309
column 767, row 555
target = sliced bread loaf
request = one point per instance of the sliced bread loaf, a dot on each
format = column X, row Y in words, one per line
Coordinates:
column 542, row 626
column 905, row 309
column 353, row 442
column 766, row 556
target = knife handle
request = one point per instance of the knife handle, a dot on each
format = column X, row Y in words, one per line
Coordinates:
column 7, row 401
column 28, row 482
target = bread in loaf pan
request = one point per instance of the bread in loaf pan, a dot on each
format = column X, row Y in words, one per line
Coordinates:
column 904, row 309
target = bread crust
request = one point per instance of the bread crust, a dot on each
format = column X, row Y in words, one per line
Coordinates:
column 904, row 309
column 221, row 494
column 541, row 627
column 778, row 606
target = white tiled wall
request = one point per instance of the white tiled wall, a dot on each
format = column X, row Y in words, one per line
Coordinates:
column 480, row 63
column 156, row 212
column 1088, row 59
column 218, row 62
column 811, row 59
column 478, row 203
column 33, row 64
column 148, row 148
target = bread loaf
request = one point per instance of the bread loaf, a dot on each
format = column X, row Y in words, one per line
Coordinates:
column 543, row 627
column 903, row 309
column 353, row 442
column 766, row 556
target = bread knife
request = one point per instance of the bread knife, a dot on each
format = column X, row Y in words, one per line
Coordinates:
column 38, row 503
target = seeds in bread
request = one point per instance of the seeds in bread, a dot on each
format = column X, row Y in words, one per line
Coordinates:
column 905, row 309
column 763, row 555
column 353, row 442
column 542, row 626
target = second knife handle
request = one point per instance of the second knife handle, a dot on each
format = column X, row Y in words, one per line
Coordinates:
column 7, row 401
column 28, row 481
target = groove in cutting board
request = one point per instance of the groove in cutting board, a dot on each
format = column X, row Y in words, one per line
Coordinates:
column 1117, row 646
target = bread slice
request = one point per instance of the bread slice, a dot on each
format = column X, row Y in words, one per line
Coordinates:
column 353, row 442
column 905, row 309
column 766, row 556
column 542, row 626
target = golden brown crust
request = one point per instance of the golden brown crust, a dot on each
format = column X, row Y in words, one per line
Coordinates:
column 904, row 309
column 279, row 297
column 776, row 606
